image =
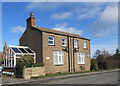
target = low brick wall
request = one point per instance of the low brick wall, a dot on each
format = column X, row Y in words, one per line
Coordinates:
column 33, row 71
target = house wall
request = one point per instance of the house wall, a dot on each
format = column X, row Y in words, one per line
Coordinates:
column 33, row 39
column 48, row 52
column 38, row 41
column 87, row 58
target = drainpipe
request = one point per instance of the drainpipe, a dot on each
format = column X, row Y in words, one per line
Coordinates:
column 73, row 57
column 68, row 55
column 71, row 53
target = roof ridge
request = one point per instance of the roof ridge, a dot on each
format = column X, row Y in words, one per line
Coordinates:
column 59, row 32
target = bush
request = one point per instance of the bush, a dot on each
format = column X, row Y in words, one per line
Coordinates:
column 38, row 64
column 82, row 68
column 94, row 65
column 25, row 60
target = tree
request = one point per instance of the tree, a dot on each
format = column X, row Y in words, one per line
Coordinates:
column 94, row 65
column 97, row 53
column 101, row 57
column 105, row 54
column 117, row 51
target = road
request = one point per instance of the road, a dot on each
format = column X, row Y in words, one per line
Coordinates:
column 102, row 78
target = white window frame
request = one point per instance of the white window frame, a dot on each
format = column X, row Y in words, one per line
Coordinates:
column 58, row 57
column 85, row 45
column 65, row 42
column 76, row 44
column 51, row 40
column 81, row 58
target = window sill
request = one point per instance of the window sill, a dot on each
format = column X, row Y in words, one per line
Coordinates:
column 81, row 63
column 51, row 45
column 58, row 64
column 64, row 45
column 85, row 48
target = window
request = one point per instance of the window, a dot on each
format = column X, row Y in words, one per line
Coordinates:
column 16, row 50
column 64, row 42
column 85, row 45
column 75, row 44
column 28, row 50
column 81, row 58
column 23, row 51
column 58, row 57
column 51, row 40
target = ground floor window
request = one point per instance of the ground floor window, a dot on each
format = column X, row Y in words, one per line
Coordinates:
column 81, row 58
column 58, row 57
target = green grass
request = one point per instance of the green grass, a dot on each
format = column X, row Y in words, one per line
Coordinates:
column 59, row 74
column 0, row 59
column 111, row 68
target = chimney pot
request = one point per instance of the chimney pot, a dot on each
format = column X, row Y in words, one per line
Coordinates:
column 31, row 14
column 31, row 20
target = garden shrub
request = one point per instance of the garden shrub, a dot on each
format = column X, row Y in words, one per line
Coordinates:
column 94, row 65
column 38, row 64
column 82, row 68
column 26, row 61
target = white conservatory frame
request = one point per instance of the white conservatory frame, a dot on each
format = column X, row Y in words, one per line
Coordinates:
column 11, row 55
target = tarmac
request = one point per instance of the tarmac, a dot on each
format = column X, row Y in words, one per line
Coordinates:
column 13, row 80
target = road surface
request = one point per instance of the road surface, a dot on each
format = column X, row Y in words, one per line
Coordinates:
column 102, row 78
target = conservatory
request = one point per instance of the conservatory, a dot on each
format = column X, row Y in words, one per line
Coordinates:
column 14, row 52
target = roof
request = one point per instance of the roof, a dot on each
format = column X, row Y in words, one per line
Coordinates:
column 58, row 32
column 21, row 49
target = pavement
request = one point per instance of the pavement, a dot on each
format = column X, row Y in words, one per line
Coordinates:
column 100, row 77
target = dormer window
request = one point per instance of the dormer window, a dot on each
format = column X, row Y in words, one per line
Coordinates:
column 75, row 44
column 51, row 40
column 64, row 42
column 85, row 45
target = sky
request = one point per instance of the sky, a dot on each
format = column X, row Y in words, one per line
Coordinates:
column 97, row 21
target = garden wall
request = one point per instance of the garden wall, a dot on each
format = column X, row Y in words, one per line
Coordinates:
column 33, row 71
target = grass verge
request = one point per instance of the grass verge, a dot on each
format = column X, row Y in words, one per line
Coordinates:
column 59, row 74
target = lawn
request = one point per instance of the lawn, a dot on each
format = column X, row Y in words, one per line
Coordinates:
column 59, row 74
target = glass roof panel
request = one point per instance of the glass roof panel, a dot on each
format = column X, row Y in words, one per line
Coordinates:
column 23, row 50
column 16, row 50
column 28, row 50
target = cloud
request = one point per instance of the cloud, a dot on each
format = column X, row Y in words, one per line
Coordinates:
column 17, row 29
column 103, row 15
column 60, row 0
column 63, row 27
column 107, row 23
column 64, row 15
column 43, row 6
column 81, row 11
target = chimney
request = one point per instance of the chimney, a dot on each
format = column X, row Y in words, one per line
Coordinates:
column 31, row 20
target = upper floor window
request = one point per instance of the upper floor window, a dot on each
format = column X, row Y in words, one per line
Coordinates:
column 85, row 45
column 58, row 57
column 64, row 42
column 51, row 40
column 81, row 58
column 75, row 44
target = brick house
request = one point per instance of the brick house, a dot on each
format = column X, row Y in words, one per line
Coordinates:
column 59, row 51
